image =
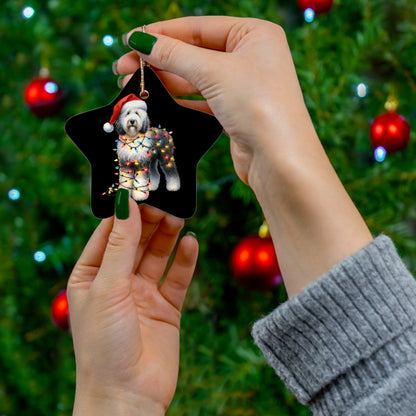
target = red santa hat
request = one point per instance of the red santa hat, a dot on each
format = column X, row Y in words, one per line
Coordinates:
column 138, row 103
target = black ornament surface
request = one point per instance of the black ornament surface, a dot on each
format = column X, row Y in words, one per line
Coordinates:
column 193, row 132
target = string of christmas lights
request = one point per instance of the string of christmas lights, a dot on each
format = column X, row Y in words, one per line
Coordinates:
column 156, row 140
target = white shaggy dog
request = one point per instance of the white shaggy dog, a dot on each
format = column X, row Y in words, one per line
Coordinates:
column 140, row 149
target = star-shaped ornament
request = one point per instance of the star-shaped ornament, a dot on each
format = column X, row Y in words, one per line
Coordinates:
column 149, row 146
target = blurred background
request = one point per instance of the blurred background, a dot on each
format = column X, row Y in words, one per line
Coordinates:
column 352, row 58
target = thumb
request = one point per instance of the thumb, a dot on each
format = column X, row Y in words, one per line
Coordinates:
column 190, row 62
column 123, row 241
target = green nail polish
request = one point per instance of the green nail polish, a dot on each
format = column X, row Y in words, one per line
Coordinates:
column 191, row 233
column 122, row 204
column 142, row 42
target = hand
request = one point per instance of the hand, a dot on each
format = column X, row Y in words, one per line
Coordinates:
column 255, row 79
column 125, row 322
column 244, row 70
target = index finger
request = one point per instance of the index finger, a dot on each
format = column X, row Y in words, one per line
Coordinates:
column 209, row 32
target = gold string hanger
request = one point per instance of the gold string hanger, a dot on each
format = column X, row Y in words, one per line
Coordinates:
column 144, row 94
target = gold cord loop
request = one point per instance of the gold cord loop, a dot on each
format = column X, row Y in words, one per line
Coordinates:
column 144, row 94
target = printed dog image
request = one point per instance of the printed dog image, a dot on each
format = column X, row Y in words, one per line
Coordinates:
column 141, row 150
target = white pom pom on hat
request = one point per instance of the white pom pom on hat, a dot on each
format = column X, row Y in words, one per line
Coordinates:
column 109, row 126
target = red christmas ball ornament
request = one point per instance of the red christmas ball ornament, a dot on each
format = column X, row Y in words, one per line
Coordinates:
column 44, row 97
column 318, row 6
column 60, row 311
column 390, row 131
column 254, row 263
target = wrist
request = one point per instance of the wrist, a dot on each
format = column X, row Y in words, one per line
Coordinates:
column 284, row 152
column 114, row 404
column 282, row 134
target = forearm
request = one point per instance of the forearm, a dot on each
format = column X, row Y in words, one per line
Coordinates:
column 113, row 405
column 312, row 220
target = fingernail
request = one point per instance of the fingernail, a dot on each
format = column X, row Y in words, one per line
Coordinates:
column 120, row 81
column 124, row 39
column 114, row 67
column 142, row 42
column 122, row 204
column 191, row 233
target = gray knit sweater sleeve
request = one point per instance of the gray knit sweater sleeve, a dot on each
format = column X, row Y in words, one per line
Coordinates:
column 346, row 345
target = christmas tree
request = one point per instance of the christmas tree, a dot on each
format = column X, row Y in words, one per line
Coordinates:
column 350, row 60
